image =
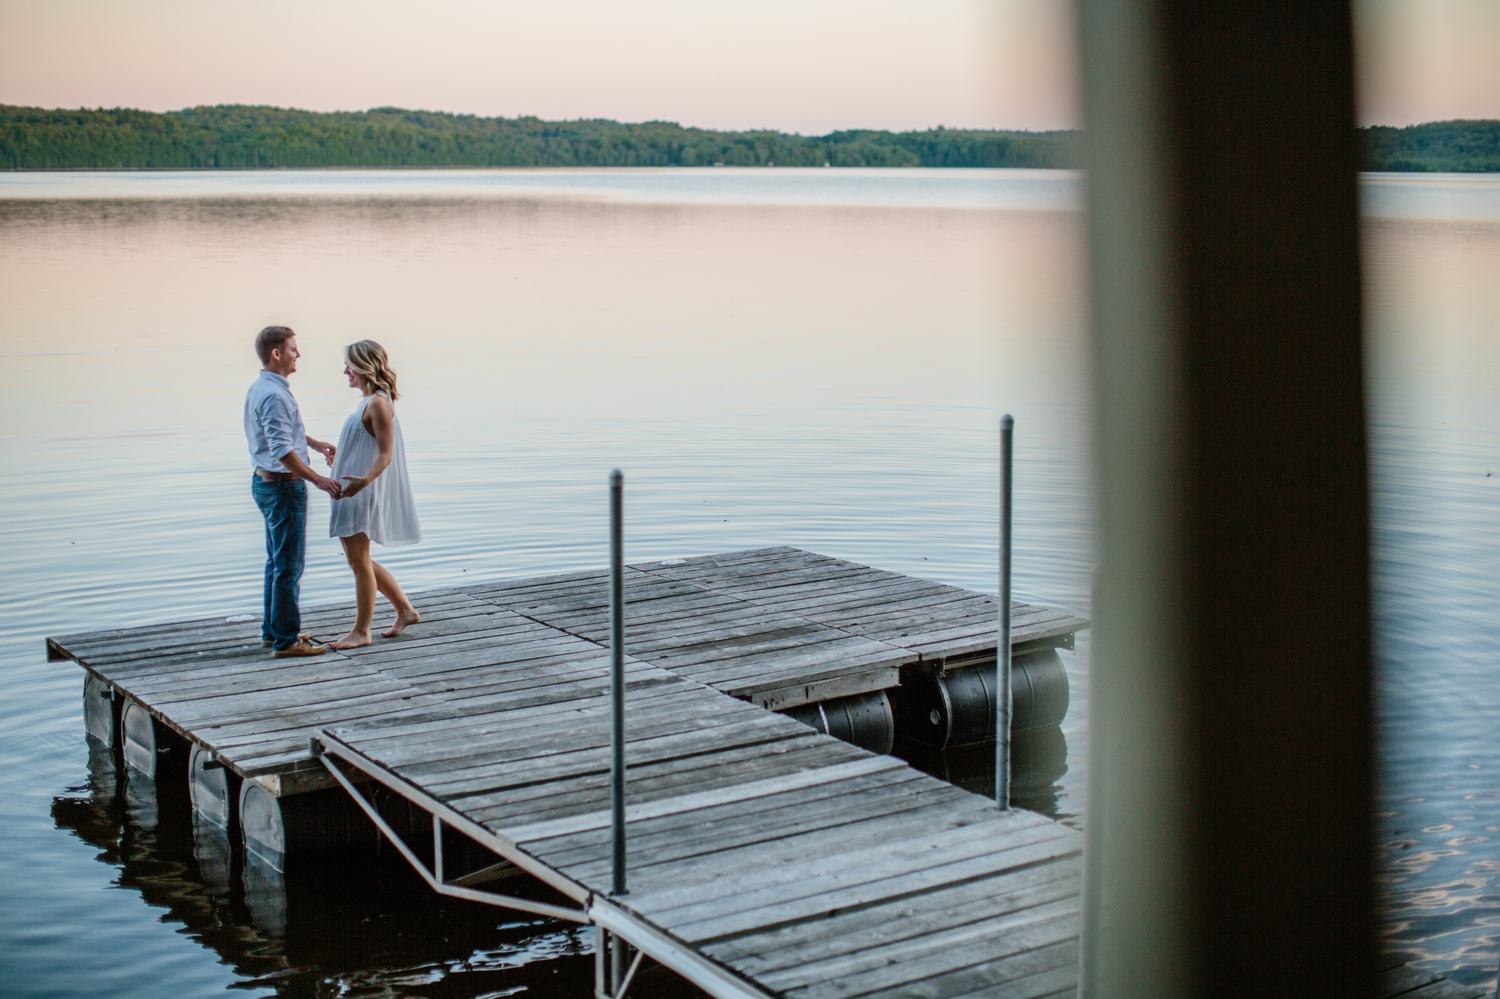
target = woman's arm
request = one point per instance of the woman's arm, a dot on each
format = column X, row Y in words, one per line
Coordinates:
column 325, row 449
column 379, row 419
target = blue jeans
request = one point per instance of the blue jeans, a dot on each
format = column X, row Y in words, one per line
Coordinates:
column 284, row 505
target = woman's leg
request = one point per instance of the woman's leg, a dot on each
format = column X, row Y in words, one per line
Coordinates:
column 406, row 614
column 357, row 551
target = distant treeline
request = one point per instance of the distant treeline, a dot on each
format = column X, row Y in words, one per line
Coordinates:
column 243, row 136
column 1439, row 146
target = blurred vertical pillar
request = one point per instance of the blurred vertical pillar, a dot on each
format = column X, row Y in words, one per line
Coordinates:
column 1230, row 762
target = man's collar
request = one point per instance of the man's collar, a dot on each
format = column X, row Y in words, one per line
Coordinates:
column 280, row 378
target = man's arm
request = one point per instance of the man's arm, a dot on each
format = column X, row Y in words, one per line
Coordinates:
column 276, row 423
column 299, row 468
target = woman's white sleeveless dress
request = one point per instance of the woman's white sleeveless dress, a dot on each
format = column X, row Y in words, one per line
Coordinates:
column 384, row 509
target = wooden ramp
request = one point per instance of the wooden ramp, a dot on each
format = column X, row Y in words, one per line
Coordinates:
column 765, row 859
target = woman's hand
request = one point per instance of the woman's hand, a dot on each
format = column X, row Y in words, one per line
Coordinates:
column 324, row 448
column 354, row 484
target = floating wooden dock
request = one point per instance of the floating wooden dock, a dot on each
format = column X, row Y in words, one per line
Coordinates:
column 765, row 858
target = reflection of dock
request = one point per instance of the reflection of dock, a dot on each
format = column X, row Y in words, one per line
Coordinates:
column 323, row 927
column 765, row 858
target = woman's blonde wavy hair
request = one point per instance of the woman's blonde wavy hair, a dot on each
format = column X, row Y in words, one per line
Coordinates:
column 367, row 358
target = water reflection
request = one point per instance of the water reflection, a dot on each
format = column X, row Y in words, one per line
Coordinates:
column 362, row 924
column 822, row 375
column 1435, row 446
column 1039, row 760
column 350, row 925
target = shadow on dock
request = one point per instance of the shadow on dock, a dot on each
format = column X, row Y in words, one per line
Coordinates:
column 358, row 923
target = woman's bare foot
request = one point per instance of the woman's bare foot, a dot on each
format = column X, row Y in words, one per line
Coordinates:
column 353, row 640
column 403, row 620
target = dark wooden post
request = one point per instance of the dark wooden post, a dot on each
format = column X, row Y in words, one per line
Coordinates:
column 1229, row 828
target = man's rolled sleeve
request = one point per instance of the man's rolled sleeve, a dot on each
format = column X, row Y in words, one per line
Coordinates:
column 278, row 425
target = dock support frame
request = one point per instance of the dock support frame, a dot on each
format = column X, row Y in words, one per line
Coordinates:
column 661, row 948
column 604, row 913
column 435, row 876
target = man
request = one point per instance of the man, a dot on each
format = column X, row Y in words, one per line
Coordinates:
column 278, row 449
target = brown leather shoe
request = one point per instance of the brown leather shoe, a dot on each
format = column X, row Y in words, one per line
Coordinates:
column 304, row 647
column 266, row 643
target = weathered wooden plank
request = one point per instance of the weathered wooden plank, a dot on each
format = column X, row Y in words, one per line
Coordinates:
column 799, row 942
column 944, row 948
column 839, row 685
column 1017, row 849
column 156, row 643
column 812, row 590
column 248, row 683
column 744, row 843
column 793, row 871
column 769, row 789
column 469, row 717
column 644, row 785
column 787, row 654
column 930, row 614
column 1029, row 974
column 658, row 743
column 576, row 723
column 452, row 727
column 743, row 560
column 670, row 756
column 812, row 669
column 764, row 814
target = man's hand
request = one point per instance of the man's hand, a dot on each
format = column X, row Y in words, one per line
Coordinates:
column 296, row 466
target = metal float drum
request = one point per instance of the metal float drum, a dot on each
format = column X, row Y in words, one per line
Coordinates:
column 864, row 720
column 101, row 711
column 958, row 708
column 214, row 789
column 149, row 746
column 262, row 824
column 278, row 829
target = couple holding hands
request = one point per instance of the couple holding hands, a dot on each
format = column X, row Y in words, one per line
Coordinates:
column 371, row 492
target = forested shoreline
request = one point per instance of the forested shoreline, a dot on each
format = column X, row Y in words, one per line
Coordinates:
column 1438, row 146
column 239, row 136
column 248, row 137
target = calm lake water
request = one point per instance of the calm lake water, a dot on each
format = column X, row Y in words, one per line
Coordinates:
column 816, row 358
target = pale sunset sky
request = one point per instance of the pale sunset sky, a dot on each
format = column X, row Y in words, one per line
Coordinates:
column 808, row 66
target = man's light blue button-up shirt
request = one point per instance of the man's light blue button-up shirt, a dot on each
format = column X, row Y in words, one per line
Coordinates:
column 273, row 423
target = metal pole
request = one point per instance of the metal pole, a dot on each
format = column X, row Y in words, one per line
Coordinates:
column 1002, row 645
column 601, row 945
column 616, row 965
column 617, row 673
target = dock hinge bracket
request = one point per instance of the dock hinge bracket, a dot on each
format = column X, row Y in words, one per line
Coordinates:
column 434, row 878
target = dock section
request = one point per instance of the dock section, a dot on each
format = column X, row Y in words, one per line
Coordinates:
column 779, row 627
column 764, row 858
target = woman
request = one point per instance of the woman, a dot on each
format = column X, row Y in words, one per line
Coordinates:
column 376, row 502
